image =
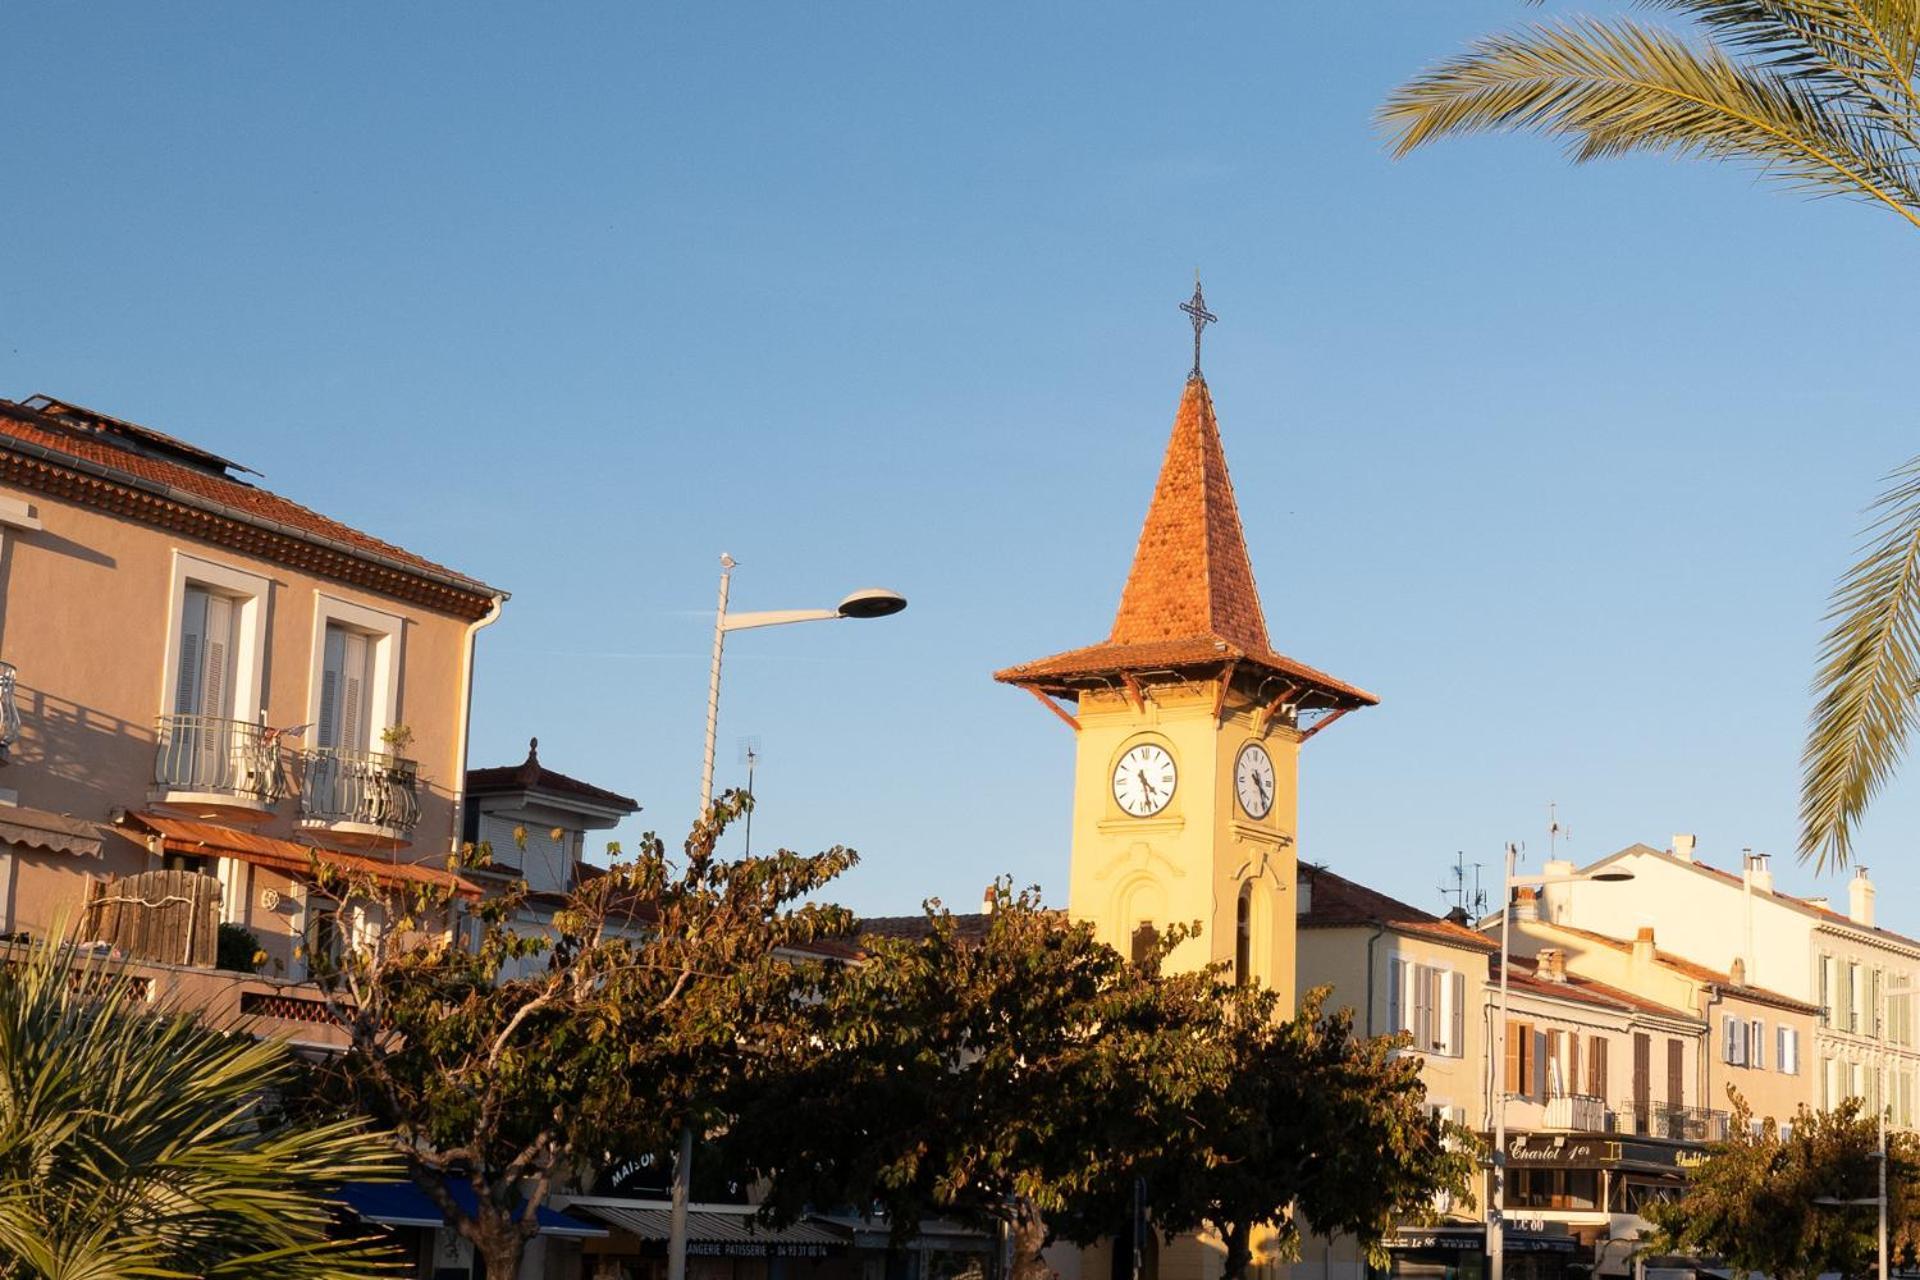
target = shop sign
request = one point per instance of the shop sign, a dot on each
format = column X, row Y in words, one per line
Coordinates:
column 1560, row 1152
column 756, row 1249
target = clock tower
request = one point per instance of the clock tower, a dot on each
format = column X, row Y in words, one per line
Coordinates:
column 1188, row 728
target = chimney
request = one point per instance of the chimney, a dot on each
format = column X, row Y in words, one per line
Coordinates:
column 1683, row 846
column 988, row 898
column 1643, row 947
column 1821, row 903
column 1551, row 965
column 1738, row 972
column 1303, row 894
column 1526, row 903
column 1860, row 898
column 1759, row 872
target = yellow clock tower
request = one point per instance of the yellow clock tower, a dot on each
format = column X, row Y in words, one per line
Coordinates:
column 1189, row 727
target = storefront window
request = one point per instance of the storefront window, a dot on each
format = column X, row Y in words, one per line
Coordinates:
column 1555, row 1189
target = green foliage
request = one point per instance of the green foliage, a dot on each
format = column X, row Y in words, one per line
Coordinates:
column 1752, row 1203
column 139, row 1142
column 1864, row 704
column 237, row 949
column 1820, row 92
column 589, row 1034
column 1029, row 1076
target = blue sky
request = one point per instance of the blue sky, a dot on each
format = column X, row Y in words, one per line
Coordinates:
column 1561, row 462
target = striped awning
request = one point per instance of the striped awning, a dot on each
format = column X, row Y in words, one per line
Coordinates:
column 38, row 829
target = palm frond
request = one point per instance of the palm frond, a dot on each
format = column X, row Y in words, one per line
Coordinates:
column 1613, row 87
column 1868, row 680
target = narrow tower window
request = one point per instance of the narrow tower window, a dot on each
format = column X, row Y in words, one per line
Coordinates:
column 1243, row 937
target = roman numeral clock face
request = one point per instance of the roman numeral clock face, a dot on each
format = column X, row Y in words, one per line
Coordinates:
column 1253, row 780
column 1143, row 781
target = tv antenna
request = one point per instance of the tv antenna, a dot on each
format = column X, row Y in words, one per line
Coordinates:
column 1556, row 830
column 1472, row 901
column 749, row 756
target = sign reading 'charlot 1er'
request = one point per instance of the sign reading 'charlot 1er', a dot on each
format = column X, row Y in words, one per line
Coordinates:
column 1560, row 1151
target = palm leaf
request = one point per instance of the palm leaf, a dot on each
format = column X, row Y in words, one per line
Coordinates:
column 1613, row 87
column 1869, row 672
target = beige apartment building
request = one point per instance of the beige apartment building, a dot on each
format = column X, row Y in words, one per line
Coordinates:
column 207, row 681
column 1840, row 964
column 1757, row 1040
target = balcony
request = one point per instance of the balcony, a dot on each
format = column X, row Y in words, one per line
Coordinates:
column 1575, row 1113
column 359, row 799
column 1656, row 1120
column 219, row 770
column 9, row 713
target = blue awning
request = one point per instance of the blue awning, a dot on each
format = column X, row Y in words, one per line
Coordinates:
column 401, row 1204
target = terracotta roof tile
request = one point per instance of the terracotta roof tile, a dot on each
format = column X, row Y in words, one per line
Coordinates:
column 143, row 453
column 1691, row 969
column 1337, row 902
column 1190, row 598
column 531, row 775
column 1522, row 975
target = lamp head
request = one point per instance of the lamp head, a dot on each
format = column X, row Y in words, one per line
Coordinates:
column 1611, row 877
column 871, row 602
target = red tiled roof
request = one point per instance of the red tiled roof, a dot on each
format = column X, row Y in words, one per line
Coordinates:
column 1698, row 972
column 200, row 839
column 531, row 775
column 1522, row 975
column 1190, row 598
column 143, row 456
column 1337, row 902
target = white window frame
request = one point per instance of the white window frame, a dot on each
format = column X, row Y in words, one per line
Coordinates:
column 251, row 592
column 386, row 631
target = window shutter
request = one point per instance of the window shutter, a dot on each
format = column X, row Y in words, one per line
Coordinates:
column 1422, row 992
column 1782, row 1059
column 1538, row 1045
column 1676, row 1074
column 1518, row 1036
column 1757, row 1045
column 1597, row 1065
column 332, row 664
column 1573, row 1062
column 1729, row 1051
column 193, row 635
column 216, row 693
column 1457, row 1032
column 1396, row 993
column 354, row 693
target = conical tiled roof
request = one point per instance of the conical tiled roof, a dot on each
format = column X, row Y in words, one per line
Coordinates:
column 1191, row 575
column 1190, row 600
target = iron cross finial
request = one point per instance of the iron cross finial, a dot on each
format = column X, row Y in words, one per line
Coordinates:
column 1196, row 309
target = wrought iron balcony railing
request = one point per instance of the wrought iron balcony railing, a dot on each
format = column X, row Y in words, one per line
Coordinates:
column 363, row 788
column 1657, row 1120
column 9, row 713
column 206, row 755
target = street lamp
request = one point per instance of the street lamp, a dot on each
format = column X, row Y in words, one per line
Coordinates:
column 869, row 602
column 1497, row 1202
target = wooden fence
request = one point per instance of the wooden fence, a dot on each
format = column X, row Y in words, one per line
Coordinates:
column 168, row 916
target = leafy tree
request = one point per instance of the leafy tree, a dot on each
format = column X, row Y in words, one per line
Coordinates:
column 140, row 1141
column 1308, row 1125
column 1752, row 1204
column 1029, row 1076
column 534, row 1055
column 1823, row 94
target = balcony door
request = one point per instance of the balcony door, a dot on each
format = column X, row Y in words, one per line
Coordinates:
column 1642, row 1082
column 202, row 746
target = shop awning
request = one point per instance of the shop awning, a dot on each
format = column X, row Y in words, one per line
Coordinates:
column 209, row 839
column 731, row 1231
column 38, row 829
column 934, row 1235
column 401, row 1204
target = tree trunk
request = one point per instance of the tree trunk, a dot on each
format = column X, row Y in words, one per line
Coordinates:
column 1028, row 1235
column 1239, row 1241
column 501, row 1254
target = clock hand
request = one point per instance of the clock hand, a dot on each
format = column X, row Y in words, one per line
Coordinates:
column 1142, row 775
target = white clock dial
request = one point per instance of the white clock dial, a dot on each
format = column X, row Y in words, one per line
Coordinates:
column 1143, row 781
column 1253, row 780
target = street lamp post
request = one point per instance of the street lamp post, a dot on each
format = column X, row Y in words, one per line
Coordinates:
column 871, row 602
column 1496, row 1062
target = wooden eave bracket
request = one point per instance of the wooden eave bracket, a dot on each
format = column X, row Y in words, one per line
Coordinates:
column 1054, row 707
column 1265, row 715
column 1336, row 714
column 1220, row 690
column 1134, row 690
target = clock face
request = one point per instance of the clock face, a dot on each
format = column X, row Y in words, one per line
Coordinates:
column 1143, row 781
column 1253, row 780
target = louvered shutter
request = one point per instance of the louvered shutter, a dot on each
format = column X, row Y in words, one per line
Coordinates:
column 333, row 658
column 355, row 688
column 1729, row 1039
column 193, row 641
column 1396, row 994
column 216, row 681
column 1757, row 1045
column 1457, row 1031
column 1422, row 1010
column 1573, row 1062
